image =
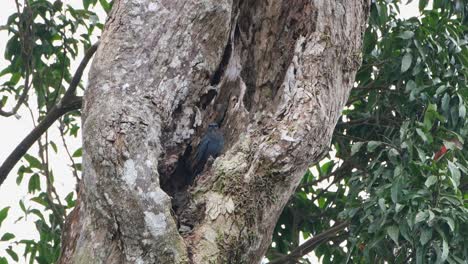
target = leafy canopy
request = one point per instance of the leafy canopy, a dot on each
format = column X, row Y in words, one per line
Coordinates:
column 398, row 176
column 45, row 37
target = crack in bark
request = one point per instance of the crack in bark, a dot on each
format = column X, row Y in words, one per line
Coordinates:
column 290, row 71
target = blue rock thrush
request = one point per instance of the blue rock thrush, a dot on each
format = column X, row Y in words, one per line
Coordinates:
column 210, row 145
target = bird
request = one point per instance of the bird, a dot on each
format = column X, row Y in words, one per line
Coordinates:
column 211, row 145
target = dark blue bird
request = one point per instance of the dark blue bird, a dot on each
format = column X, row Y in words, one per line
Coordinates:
column 210, row 145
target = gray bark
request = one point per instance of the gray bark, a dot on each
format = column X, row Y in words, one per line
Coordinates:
column 275, row 74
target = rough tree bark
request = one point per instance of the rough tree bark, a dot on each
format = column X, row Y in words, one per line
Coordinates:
column 274, row 74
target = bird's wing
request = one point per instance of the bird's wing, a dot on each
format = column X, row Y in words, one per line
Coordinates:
column 200, row 153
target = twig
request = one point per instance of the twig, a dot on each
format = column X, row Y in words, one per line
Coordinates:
column 59, row 88
column 311, row 244
column 79, row 72
column 68, row 103
column 74, row 170
column 343, row 167
column 335, row 180
column 358, row 139
column 44, row 156
column 27, row 58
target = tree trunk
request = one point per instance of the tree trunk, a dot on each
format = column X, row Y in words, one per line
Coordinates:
column 274, row 74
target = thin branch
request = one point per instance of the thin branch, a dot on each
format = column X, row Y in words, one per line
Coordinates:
column 49, row 178
column 68, row 103
column 368, row 122
column 343, row 167
column 45, row 171
column 323, row 191
column 50, row 189
column 37, row 132
column 358, row 139
column 59, row 87
column 20, row 101
column 67, row 150
column 313, row 183
column 311, row 244
column 79, row 72
column 27, row 58
column 370, row 88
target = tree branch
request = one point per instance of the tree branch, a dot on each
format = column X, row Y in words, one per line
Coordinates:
column 68, row 103
column 311, row 244
column 65, row 145
column 339, row 170
column 20, row 101
column 79, row 72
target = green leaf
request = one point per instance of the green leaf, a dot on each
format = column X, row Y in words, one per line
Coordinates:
column 40, row 200
column 454, row 114
column 425, row 137
column 382, row 204
column 77, row 166
column 441, row 89
column 15, row 77
column 421, row 154
column 7, row 236
column 3, row 101
column 426, row 235
column 34, row 183
column 397, row 171
column 74, row 130
column 395, row 190
column 372, row 145
column 445, row 251
column 356, row 147
column 393, row 232
column 450, row 222
column 3, row 260
column 445, row 102
column 406, row 62
column 33, row 162
column 21, row 172
column 78, row 153
column 462, row 111
column 23, row 208
column 431, row 216
column 37, row 213
column 430, row 181
column 70, row 201
column 54, row 146
column 406, row 34
column 431, row 115
column 86, row 4
column 105, row 5
column 455, row 172
column 404, row 130
column 423, row 4
column 3, row 214
column 410, row 86
column 326, row 168
column 393, row 154
column 398, row 207
column 421, row 216
column 12, row 254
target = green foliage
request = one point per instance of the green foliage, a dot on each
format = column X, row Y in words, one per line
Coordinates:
column 404, row 203
column 45, row 37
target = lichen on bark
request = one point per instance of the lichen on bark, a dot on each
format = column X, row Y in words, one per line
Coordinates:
column 274, row 75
